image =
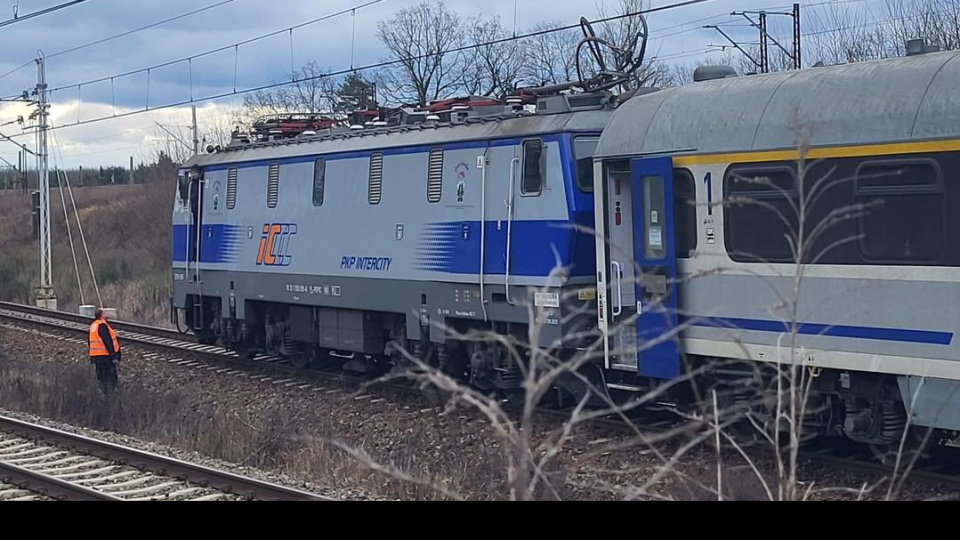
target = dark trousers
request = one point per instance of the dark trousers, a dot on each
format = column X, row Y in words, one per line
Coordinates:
column 106, row 372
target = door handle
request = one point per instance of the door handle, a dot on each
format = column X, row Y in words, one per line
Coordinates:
column 618, row 273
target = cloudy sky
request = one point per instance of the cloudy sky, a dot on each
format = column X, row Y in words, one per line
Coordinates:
column 677, row 37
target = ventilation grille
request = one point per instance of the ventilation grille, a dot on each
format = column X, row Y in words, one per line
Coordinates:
column 435, row 176
column 232, row 188
column 376, row 178
column 273, row 185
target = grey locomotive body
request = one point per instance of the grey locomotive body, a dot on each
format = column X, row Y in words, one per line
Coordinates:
column 363, row 243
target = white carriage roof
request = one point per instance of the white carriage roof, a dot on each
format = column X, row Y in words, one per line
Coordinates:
column 409, row 135
column 903, row 99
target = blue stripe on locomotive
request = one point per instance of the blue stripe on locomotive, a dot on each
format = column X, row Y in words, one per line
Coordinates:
column 219, row 244
column 537, row 247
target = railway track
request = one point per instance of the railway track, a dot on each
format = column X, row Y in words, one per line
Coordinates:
column 128, row 327
column 156, row 338
column 39, row 462
column 12, row 493
column 279, row 371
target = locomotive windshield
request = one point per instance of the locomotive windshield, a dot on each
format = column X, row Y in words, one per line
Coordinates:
column 584, row 149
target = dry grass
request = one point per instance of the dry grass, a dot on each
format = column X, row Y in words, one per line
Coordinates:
column 127, row 229
column 270, row 437
column 740, row 483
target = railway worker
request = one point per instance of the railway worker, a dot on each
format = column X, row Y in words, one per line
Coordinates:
column 104, row 351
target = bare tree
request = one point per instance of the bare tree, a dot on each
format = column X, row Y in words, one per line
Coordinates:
column 311, row 91
column 531, row 454
column 623, row 33
column 218, row 129
column 937, row 21
column 419, row 39
column 176, row 141
column 492, row 69
column 683, row 73
column 848, row 36
column 548, row 57
column 858, row 34
column 169, row 141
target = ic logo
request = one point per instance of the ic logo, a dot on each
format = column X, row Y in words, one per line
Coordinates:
column 275, row 244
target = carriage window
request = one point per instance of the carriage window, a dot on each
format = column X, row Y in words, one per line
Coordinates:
column 898, row 176
column 232, row 188
column 655, row 216
column 760, row 214
column 903, row 209
column 534, row 160
column 685, row 211
column 375, row 187
column 584, row 148
column 435, row 176
column 273, row 185
column 319, row 179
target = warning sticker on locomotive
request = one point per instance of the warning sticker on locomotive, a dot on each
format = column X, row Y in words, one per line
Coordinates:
column 656, row 237
column 551, row 300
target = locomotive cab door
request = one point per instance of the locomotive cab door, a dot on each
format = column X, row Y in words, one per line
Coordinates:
column 639, row 317
column 195, row 187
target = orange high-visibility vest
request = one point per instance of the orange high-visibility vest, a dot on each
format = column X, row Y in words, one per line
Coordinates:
column 97, row 346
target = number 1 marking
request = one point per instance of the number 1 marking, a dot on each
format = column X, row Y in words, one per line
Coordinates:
column 708, row 180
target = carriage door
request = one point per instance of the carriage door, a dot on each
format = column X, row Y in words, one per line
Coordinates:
column 656, row 268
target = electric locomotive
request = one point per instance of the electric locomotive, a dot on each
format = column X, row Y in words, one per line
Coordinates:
column 355, row 243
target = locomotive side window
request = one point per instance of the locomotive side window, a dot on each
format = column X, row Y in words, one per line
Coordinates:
column 584, row 149
column 183, row 190
column 534, row 166
column 903, row 211
column 375, row 186
column 273, row 185
column 319, row 179
column 685, row 212
column 435, row 176
column 760, row 216
column 232, row 188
